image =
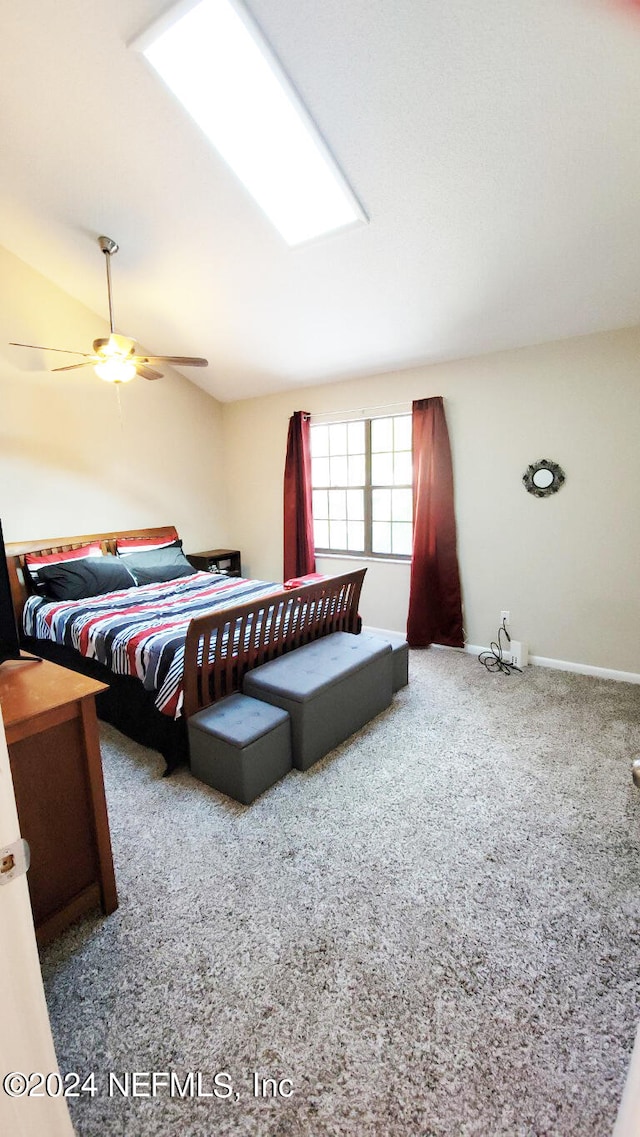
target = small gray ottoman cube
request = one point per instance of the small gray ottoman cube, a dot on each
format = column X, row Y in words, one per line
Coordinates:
column 330, row 687
column 240, row 746
column 400, row 649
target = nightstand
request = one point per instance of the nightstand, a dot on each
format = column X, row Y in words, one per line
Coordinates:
column 224, row 561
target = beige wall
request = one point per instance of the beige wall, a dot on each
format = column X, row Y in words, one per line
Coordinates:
column 567, row 567
column 74, row 459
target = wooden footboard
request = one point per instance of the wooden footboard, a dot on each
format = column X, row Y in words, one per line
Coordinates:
column 222, row 647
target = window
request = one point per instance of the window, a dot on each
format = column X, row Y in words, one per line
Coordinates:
column 214, row 59
column 361, row 473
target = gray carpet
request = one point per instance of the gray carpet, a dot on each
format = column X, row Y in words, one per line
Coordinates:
column 433, row 932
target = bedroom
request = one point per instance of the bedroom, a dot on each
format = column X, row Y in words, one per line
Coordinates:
column 550, row 264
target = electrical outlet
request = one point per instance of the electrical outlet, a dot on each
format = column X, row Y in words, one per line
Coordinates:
column 505, row 616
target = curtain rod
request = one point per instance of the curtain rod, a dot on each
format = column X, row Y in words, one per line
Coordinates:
column 362, row 410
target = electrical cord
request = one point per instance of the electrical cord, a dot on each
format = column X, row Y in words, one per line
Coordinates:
column 494, row 659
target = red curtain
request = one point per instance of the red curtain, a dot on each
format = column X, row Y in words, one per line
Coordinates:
column 299, row 550
column 435, row 602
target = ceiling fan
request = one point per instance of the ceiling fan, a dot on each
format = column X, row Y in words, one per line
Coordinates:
column 115, row 358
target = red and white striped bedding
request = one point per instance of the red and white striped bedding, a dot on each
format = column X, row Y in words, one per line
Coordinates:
column 141, row 631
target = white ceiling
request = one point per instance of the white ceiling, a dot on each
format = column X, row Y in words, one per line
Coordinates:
column 495, row 147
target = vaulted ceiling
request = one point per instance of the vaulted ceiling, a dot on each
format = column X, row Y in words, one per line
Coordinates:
column 495, row 148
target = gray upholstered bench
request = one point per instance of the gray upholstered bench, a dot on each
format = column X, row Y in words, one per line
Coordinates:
column 240, row 746
column 330, row 687
column 400, row 649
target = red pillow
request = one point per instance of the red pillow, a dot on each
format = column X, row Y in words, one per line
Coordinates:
column 297, row 581
column 125, row 545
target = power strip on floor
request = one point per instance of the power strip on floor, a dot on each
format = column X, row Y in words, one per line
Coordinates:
column 517, row 654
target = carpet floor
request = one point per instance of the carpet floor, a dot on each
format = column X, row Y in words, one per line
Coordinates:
column 431, row 933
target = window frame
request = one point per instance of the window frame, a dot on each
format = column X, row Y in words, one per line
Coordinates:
column 367, row 488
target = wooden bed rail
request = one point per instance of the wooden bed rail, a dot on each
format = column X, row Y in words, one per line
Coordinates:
column 222, row 647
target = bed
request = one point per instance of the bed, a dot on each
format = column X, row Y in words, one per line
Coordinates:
column 166, row 648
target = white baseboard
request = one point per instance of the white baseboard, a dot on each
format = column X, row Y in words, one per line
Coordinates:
column 543, row 661
column 576, row 668
column 381, row 631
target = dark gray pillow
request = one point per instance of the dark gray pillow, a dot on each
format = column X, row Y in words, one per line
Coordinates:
column 90, row 576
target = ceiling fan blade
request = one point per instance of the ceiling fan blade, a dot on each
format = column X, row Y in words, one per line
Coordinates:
column 64, row 350
column 185, row 360
column 147, row 372
column 74, row 366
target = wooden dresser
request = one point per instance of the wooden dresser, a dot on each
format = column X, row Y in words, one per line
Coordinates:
column 54, row 751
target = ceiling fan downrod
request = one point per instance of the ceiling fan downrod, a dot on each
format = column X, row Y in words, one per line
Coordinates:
column 109, row 247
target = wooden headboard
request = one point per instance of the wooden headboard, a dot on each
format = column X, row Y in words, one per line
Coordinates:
column 17, row 550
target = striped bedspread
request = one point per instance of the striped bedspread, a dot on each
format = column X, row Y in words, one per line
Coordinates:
column 141, row 631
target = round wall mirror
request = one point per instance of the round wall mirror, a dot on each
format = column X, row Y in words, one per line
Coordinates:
column 543, row 478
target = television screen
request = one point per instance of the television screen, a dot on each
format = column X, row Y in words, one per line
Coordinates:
column 9, row 639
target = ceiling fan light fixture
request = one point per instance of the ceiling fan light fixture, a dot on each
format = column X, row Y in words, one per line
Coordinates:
column 114, row 356
column 114, row 370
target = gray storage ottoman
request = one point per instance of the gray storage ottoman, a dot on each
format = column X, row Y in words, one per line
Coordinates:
column 240, row 746
column 400, row 649
column 330, row 687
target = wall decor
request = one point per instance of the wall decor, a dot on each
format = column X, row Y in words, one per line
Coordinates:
column 543, row 478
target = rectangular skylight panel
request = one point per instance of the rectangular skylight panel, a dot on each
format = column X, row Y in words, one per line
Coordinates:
column 216, row 63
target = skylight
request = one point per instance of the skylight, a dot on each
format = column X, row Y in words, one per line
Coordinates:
column 215, row 61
